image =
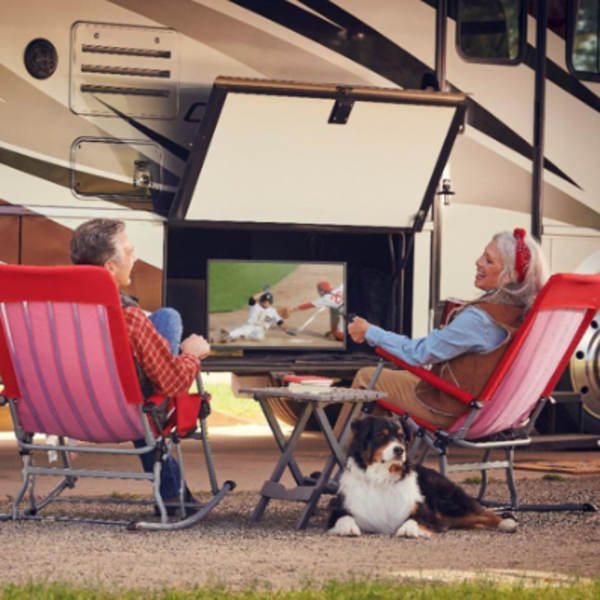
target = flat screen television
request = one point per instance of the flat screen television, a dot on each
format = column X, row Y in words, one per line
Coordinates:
column 249, row 300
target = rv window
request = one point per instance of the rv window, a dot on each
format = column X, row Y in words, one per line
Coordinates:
column 583, row 49
column 491, row 31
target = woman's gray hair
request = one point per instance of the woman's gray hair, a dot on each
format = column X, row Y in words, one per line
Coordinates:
column 536, row 274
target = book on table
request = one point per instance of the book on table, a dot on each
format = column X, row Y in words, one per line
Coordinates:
column 308, row 383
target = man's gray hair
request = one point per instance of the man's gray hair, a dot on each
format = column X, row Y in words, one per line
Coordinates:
column 93, row 242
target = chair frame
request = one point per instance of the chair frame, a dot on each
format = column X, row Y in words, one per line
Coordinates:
column 160, row 439
column 565, row 291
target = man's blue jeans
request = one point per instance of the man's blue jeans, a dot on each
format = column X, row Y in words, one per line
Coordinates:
column 168, row 323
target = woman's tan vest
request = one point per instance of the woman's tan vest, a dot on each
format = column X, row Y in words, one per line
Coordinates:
column 471, row 371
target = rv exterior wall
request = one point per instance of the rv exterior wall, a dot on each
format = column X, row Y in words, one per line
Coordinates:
column 393, row 45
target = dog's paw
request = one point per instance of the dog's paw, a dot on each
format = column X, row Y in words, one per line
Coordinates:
column 411, row 529
column 345, row 526
column 507, row 526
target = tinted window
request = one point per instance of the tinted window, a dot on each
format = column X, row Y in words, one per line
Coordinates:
column 491, row 31
column 585, row 55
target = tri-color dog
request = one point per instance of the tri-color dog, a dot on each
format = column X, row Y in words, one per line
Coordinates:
column 382, row 492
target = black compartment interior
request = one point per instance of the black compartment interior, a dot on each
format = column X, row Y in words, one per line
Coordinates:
column 374, row 268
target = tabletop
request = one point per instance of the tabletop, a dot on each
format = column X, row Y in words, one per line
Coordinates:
column 328, row 394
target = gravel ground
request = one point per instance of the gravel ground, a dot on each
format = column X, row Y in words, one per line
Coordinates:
column 225, row 549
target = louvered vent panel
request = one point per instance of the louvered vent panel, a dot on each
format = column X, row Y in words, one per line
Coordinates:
column 119, row 69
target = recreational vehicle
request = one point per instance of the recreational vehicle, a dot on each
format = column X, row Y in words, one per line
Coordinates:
column 373, row 146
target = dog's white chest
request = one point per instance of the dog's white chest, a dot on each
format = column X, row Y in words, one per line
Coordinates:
column 377, row 500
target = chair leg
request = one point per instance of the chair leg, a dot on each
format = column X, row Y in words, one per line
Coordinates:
column 32, row 506
column 514, row 496
column 412, row 453
column 218, row 493
column 182, row 479
column 424, row 455
column 66, row 460
column 210, row 465
column 68, row 482
column 484, row 477
column 584, row 507
column 443, row 463
column 24, row 485
column 510, row 479
column 51, row 496
column 156, row 486
column 228, row 486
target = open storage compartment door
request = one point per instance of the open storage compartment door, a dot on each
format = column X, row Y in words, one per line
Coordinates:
column 286, row 153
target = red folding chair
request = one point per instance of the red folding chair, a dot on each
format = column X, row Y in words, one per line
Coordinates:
column 68, row 371
column 504, row 414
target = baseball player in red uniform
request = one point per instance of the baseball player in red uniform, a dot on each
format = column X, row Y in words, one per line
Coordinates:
column 333, row 299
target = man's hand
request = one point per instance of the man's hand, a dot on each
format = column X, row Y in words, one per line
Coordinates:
column 357, row 328
column 195, row 345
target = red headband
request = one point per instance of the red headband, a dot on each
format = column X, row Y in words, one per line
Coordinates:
column 522, row 254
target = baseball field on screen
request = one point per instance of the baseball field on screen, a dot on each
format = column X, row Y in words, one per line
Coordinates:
column 232, row 283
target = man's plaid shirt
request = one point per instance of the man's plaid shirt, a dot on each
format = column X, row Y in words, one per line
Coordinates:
column 171, row 375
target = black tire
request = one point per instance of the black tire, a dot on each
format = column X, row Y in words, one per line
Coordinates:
column 288, row 411
column 567, row 420
column 566, row 416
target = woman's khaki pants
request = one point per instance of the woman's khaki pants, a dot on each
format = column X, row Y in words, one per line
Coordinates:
column 400, row 389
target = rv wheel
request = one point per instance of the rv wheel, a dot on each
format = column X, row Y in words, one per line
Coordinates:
column 582, row 375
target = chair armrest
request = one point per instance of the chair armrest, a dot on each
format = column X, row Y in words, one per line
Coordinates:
column 429, row 377
column 155, row 401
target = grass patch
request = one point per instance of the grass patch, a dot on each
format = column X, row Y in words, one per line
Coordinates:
column 553, row 477
column 477, row 480
column 380, row 590
column 224, row 401
column 124, row 496
column 473, row 480
column 230, row 284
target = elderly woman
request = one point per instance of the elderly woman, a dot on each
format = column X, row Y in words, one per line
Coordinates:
column 510, row 272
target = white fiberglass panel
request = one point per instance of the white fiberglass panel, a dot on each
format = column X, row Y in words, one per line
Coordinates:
column 277, row 159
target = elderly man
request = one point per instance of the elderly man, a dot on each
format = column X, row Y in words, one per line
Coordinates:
column 154, row 340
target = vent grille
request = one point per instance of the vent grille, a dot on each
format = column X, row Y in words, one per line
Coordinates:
column 125, row 91
column 120, row 69
column 125, row 51
column 125, row 71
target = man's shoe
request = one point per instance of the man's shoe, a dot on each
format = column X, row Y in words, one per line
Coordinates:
column 225, row 337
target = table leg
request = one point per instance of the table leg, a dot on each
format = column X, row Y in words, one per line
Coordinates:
column 280, row 438
column 284, row 461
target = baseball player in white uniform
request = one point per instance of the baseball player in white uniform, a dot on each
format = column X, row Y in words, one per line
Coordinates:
column 333, row 299
column 260, row 318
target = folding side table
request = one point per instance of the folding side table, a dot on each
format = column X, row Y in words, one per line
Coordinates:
column 307, row 490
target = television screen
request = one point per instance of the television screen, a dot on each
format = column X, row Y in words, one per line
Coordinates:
column 273, row 304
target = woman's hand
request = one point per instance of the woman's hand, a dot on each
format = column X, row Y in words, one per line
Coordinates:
column 357, row 328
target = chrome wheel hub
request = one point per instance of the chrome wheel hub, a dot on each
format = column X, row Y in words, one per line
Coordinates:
column 585, row 369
